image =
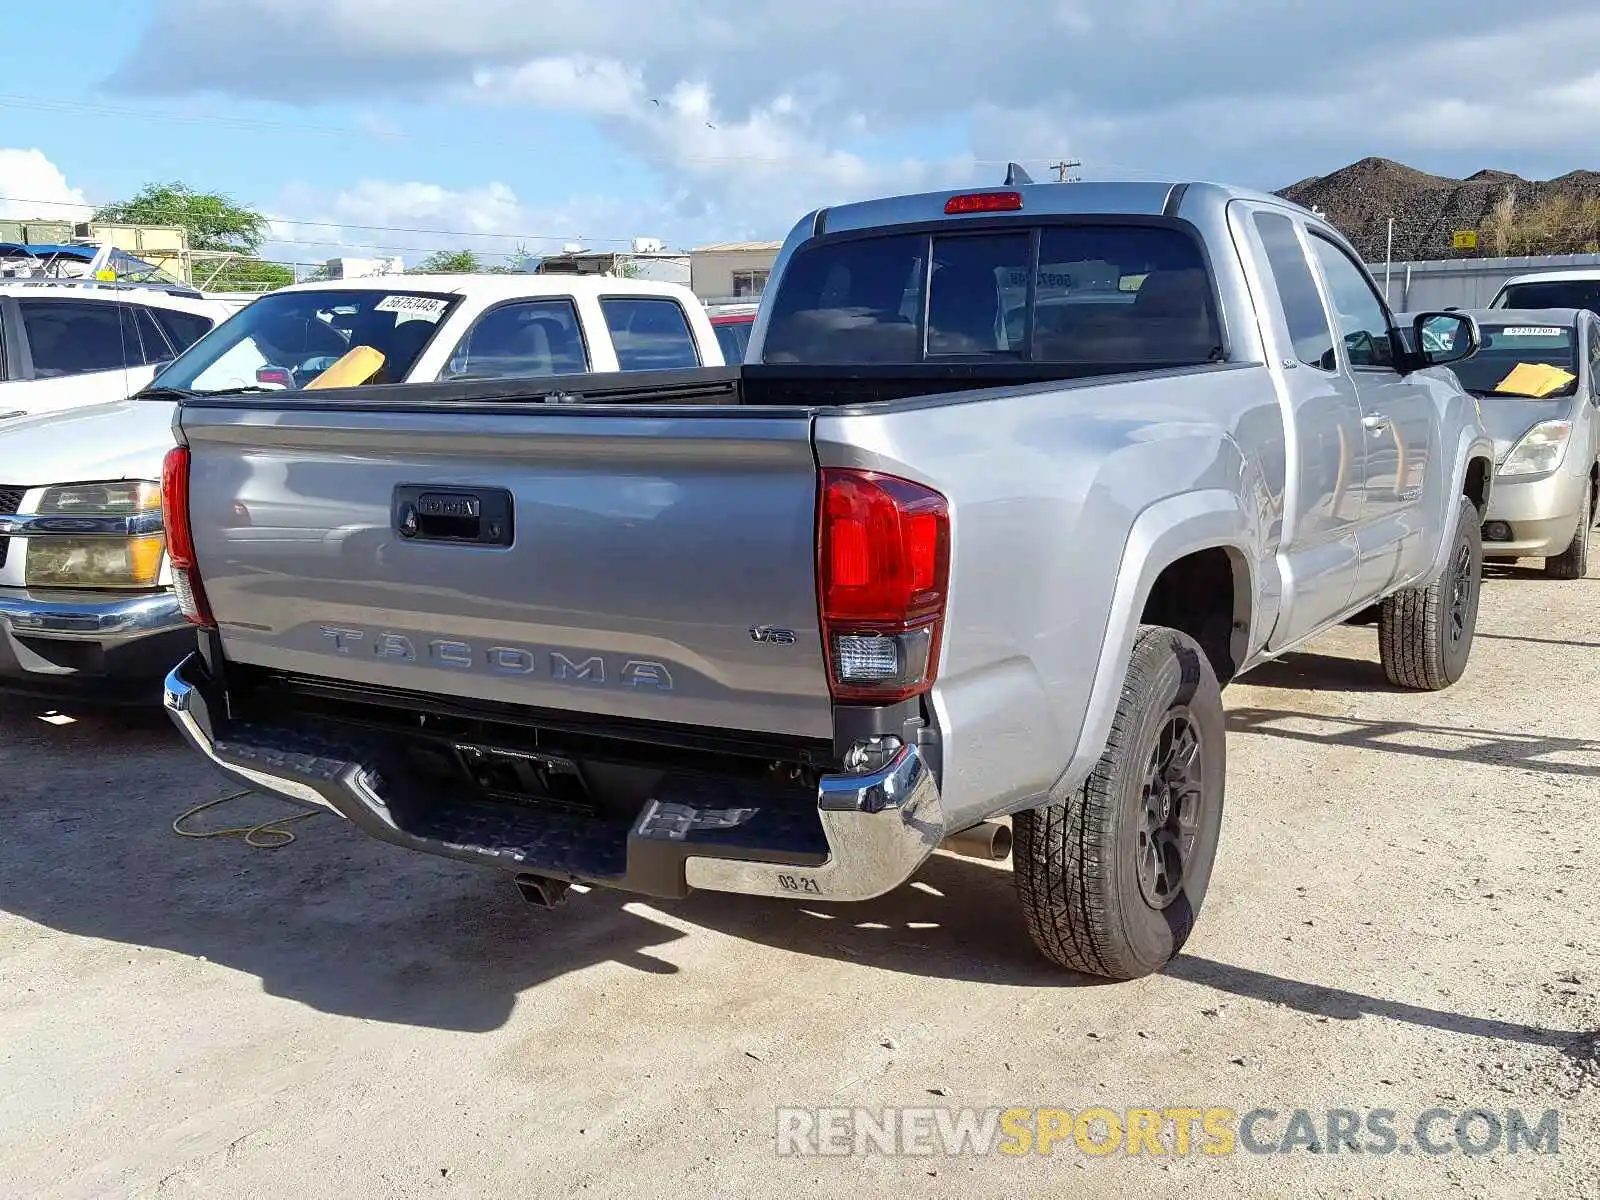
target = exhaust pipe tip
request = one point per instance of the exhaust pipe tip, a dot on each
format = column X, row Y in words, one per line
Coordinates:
column 542, row 891
column 989, row 841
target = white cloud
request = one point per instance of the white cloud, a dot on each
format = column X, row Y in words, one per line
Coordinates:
column 411, row 219
column 33, row 188
column 752, row 111
column 775, row 158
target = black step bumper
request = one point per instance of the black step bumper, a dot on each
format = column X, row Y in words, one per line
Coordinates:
column 865, row 836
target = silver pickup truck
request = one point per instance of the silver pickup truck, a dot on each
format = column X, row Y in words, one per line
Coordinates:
column 1010, row 483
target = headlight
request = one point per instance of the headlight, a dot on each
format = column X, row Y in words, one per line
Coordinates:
column 123, row 553
column 122, row 498
column 1539, row 451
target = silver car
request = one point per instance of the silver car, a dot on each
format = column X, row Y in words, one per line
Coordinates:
column 1546, row 433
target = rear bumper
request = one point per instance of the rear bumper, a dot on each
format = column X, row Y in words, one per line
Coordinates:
column 91, row 644
column 875, row 829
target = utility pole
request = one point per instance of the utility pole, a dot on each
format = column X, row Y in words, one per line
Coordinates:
column 1061, row 168
column 1388, row 261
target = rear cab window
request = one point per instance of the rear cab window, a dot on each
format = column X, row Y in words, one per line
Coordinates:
column 1118, row 295
column 733, row 336
column 286, row 339
column 649, row 333
column 522, row 338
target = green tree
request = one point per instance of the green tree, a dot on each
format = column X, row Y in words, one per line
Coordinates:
column 214, row 222
column 449, row 262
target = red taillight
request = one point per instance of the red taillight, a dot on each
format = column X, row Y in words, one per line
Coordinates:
column 180, row 538
column 982, row 202
column 275, row 376
column 883, row 567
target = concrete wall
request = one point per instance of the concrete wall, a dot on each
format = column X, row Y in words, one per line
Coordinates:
column 1464, row 282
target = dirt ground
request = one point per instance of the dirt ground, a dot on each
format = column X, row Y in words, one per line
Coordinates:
column 1400, row 920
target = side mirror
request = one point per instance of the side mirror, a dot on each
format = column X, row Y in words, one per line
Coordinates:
column 1440, row 338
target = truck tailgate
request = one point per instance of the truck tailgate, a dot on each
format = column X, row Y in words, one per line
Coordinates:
column 641, row 554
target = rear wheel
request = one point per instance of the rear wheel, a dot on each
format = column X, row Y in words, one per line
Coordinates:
column 1425, row 634
column 1573, row 562
column 1112, row 879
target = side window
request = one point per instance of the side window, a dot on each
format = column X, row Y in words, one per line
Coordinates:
column 1297, row 291
column 528, row 338
column 1363, row 324
column 156, row 349
column 73, row 337
column 182, row 329
column 649, row 334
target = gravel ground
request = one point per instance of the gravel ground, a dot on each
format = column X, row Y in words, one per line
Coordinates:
column 1396, row 922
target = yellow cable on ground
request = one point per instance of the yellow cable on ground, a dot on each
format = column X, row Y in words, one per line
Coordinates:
column 252, row 834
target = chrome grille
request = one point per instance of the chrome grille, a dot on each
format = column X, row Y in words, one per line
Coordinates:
column 10, row 501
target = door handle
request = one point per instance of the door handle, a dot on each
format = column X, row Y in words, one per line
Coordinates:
column 452, row 514
column 1376, row 423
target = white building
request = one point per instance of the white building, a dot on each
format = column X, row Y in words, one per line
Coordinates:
column 731, row 270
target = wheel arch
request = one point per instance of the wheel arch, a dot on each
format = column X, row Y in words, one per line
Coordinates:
column 1166, row 541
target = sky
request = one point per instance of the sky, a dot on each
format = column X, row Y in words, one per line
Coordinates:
column 398, row 127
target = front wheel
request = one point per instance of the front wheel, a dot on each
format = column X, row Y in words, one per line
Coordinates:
column 1425, row 634
column 1573, row 562
column 1112, row 879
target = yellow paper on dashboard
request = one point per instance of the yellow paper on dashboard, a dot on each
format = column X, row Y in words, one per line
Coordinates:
column 354, row 367
column 1534, row 379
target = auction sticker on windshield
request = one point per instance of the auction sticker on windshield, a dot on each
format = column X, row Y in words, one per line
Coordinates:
column 1532, row 331
column 421, row 306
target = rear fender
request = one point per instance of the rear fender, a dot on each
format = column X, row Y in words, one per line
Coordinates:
column 1162, row 534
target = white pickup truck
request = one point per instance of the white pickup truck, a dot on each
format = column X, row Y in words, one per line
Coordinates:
column 70, row 344
column 86, row 602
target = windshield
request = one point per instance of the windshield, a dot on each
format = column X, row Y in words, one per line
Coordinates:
column 287, row 339
column 1129, row 295
column 733, row 336
column 1554, row 293
column 1514, row 359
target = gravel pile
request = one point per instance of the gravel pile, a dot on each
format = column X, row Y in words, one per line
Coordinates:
column 1428, row 209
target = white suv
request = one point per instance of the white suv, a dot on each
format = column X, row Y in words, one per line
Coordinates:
column 69, row 345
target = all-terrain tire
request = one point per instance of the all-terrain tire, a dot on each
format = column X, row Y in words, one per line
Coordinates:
column 1425, row 634
column 1083, row 865
column 1573, row 562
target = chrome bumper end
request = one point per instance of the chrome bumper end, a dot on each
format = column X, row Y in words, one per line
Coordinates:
column 880, row 828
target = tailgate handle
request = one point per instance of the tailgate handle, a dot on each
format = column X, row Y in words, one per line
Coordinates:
column 443, row 513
